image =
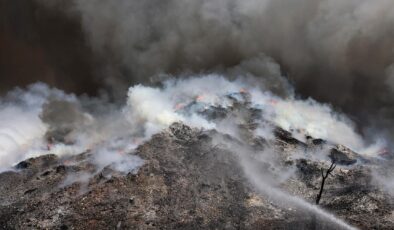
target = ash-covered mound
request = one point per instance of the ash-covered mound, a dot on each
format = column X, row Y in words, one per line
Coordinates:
column 190, row 179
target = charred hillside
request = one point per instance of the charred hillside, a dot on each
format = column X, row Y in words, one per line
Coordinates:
column 187, row 182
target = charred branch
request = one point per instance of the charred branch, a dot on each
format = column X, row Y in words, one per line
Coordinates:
column 324, row 177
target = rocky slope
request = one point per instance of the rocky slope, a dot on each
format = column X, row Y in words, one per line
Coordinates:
column 188, row 181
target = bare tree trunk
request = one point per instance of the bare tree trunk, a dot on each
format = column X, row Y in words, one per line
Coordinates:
column 324, row 177
column 321, row 188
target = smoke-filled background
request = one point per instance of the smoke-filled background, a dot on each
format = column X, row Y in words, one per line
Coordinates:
column 340, row 52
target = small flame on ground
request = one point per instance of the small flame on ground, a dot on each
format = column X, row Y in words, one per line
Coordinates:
column 384, row 152
column 179, row 106
column 200, row 97
column 67, row 162
column 49, row 146
column 243, row 90
column 273, row 102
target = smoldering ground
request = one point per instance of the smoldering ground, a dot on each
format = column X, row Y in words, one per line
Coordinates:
column 108, row 135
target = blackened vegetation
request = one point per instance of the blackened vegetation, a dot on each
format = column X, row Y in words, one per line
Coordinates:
column 287, row 137
column 324, row 176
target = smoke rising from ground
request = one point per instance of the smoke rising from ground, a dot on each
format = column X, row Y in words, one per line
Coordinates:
column 22, row 130
column 338, row 52
column 41, row 120
column 41, row 115
column 183, row 99
column 66, row 125
column 268, row 184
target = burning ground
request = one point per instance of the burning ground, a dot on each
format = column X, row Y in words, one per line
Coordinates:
column 188, row 155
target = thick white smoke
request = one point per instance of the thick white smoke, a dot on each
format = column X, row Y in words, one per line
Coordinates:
column 21, row 130
column 156, row 108
column 29, row 116
column 42, row 120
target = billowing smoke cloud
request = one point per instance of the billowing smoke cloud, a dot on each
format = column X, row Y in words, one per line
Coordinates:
column 21, row 129
column 41, row 120
column 335, row 51
column 185, row 99
column 62, row 118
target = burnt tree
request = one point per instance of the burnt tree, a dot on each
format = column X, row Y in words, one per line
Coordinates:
column 324, row 177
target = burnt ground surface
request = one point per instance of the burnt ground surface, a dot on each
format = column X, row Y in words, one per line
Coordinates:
column 187, row 182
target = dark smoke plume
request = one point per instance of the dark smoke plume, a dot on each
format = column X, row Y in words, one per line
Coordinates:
column 38, row 43
column 335, row 51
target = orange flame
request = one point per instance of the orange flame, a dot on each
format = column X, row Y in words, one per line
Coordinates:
column 67, row 162
column 200, row 98
column 273, row 102
column 137, row 141
column 384, row 151
column 179, row 106
column 243, row 90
